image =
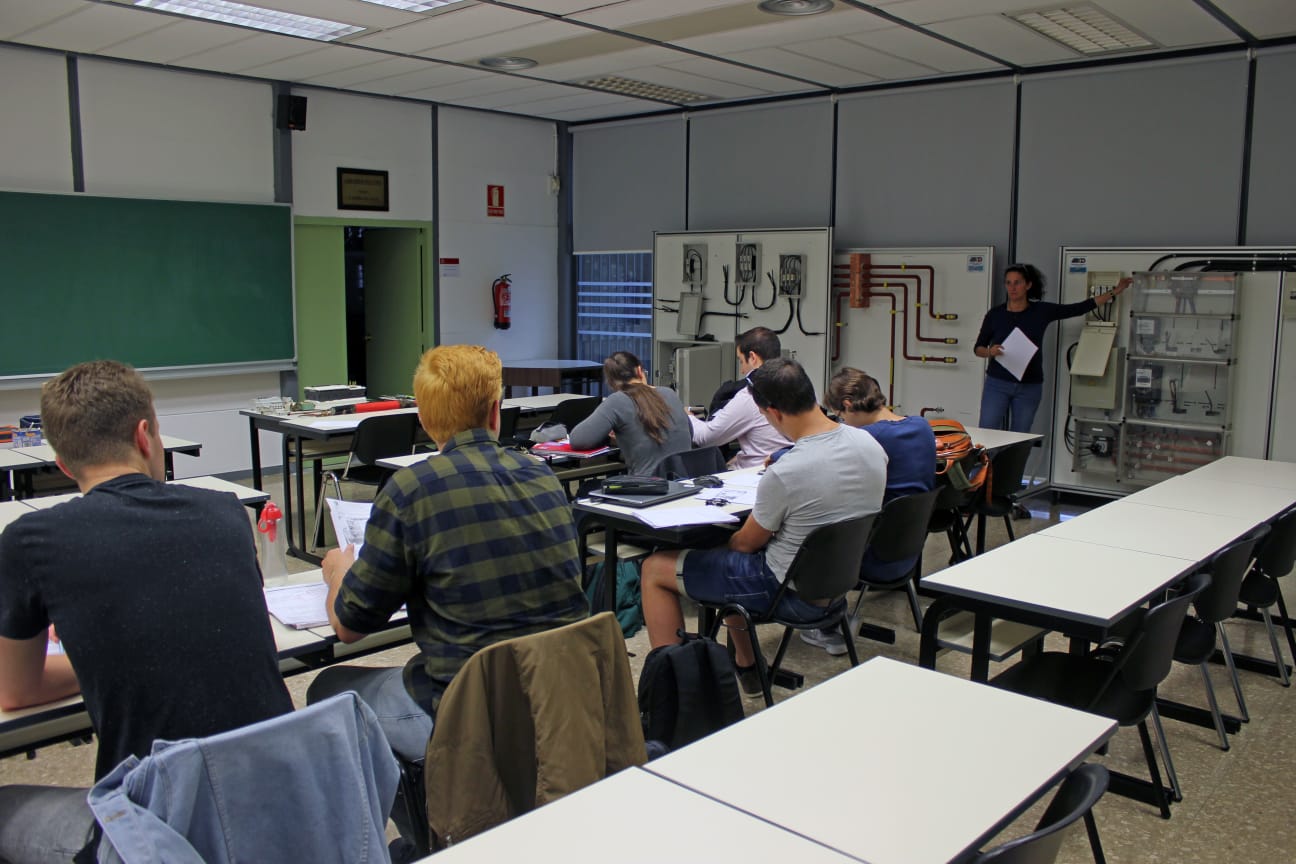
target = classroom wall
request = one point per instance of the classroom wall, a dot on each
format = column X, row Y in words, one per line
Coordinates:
column 35, row 137
column 1271, row 210
column 474, row 150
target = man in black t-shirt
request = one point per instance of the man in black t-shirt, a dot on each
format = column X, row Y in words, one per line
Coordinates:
column 154, row 591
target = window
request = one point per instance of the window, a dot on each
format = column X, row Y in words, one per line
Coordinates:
column 614, row 305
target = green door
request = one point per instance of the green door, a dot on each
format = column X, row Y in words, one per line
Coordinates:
column 393, row 292
column 321, row 305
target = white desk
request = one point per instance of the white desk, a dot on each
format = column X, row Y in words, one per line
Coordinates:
column 956, row 762
column 43, row 454
column 1214, row 494
column 633, row 817
column 1158, row 530
column 997, row 439
column 1255, row 472
column 245, row 495
column 11, row 510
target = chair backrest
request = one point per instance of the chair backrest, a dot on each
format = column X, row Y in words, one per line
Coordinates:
column 570, row 412
column 381, row 437
column 1078, row 794
column 1227, row 568
column 1009, row 464
column 687, row 464
column 827, row 564
column 901, row 528
column 508, row 422
column 528, row 720
column 1146, row 660
column 1277, row 554
column 312, row 785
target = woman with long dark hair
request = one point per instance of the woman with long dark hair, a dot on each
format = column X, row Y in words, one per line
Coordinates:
column 649, row 423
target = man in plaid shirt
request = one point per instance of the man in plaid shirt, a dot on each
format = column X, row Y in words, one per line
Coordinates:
column 477, row 541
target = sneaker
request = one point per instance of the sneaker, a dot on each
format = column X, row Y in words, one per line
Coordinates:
column 749, row 681
column 1020, row 512
column 829, row 640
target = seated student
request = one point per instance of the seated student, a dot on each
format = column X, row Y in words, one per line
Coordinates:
column 910, row 445
column 833, row 472
column 740, row 418
column 649, row 423
column 155, row 593
column 478, row 542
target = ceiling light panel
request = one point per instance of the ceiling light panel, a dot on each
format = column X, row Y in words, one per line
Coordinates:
column 244, row 15
column 684, row 80
column 1003, row 38
column 642, row 89
column 1083, row 28
column 413, row 5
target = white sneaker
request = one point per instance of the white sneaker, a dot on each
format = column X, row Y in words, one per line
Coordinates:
column 829, row 640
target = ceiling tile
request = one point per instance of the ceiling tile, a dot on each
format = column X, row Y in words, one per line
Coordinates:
column 174, row 41
column 380, row 68
column 927, row 11
column 256, row 50
column 1177, row 24
column 914, row 46
column 569, row 102
column 516, row 97
column 330, row 58
column 373, row 15
column 484, row 84
column 454, row 26
column 803, row 66
column 737, row 75
column 605, row 64
column 521, row 41
column 92, row 28
column 428, row 75
column 852, row 55
column 631, row 12
column 559, row 7
column 1266, row 19
column 19, row 17
column 846, row 20
column 1005, row 39
column 616, row 109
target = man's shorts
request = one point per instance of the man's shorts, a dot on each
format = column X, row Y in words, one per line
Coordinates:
column 718, row 576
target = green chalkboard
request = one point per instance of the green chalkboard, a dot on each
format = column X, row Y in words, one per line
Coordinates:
column 149, row 282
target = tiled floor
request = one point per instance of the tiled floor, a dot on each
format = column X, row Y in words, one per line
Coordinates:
column 1235, row 806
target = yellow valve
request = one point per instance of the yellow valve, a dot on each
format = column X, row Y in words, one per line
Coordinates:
column 948, row 316
column 950, row 340
column 950, row 359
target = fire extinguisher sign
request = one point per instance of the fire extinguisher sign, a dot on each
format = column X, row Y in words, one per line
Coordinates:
column 495, row 201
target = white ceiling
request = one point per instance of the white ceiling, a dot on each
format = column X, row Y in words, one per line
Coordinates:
column 726, row 50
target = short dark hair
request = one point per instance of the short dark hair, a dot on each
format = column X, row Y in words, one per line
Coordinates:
column 89, row 413
column 761, row 341
column 783, row 385
column 1033, row 277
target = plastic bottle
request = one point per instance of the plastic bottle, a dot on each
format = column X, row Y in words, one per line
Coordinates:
column 272, row 543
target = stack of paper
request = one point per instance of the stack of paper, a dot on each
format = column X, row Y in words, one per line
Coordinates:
column 299, row 606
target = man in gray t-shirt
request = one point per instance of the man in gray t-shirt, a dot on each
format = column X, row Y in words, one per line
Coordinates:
column 833, row 472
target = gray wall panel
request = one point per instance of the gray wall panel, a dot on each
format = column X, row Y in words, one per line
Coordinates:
column 765, row 167
column 628, row 181
column 1142, row 156
column 926, row 167
column 1271, row 211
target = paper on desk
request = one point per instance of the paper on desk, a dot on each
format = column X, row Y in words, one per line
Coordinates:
column 742, row 495
column 743, row 479
column 299, row 606
column 349, row 521
column 671, row 517
column 1018, row 350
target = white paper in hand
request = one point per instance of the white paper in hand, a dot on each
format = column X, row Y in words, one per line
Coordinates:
column 349, row 521
column 1018, row 350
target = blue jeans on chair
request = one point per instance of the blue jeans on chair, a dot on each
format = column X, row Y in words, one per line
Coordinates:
column 1009, row 404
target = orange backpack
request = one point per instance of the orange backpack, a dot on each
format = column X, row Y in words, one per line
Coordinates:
column 963, row 464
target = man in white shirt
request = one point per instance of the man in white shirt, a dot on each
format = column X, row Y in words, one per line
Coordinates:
column 741, row 419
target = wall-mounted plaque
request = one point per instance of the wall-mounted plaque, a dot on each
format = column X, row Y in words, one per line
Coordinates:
column 361, row 189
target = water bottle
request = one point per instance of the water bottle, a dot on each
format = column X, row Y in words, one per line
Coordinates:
column 272, row 543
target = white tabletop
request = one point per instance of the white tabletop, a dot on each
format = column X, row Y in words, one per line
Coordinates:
column 1256, row 472
column 998, row 439
column 1156, row 530
column 44, row 453
column 529, row 404
column 16, row 457
column 1214, row 493
column 1084, row 582
column 11, row 510
column 634, row 817
column 245, row 494
column 339, row 423
column 744, row 477
column 955, row 762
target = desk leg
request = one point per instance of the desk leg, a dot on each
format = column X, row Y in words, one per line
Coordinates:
column 981, row 531
column 6, row 485
column 981, row 648
column 169, row 459
column 301, row 495
column 287, row 494
column 254, row 441
column 609, row 569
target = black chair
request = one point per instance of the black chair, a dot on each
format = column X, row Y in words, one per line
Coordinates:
column 508, row 423
column 570, row 412
column 826, row 567
column 947, row 517
column 1215, row 605
column 1007, row 468
column 688, row 464
column 1274, row 558
column 1119, row 683
column 899, row 534
column 1075, row 799
column 378, row 437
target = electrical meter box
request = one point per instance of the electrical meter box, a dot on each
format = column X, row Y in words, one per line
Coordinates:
column 1102, row 392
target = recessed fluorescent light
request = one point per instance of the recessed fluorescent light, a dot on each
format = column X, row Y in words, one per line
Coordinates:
column 1083, row 28
column 244, row 15
column 795, row 7
column 642, row 89
column 507, row 64
column 415, row 5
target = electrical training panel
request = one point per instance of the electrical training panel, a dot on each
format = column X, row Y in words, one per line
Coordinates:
column 1180, row 370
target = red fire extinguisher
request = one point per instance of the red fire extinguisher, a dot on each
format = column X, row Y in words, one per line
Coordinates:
column 502, row 298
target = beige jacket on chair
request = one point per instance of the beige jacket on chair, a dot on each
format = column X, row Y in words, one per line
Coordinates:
column 528, row 720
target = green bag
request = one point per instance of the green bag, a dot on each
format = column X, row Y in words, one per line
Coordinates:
column 629, row 604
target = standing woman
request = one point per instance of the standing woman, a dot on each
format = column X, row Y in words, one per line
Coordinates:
column 1007, row 403
column 649, row 422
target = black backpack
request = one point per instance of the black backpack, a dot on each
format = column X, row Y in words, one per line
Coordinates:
column 686, row 692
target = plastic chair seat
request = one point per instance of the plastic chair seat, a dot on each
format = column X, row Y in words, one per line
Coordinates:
column 1072, row 680
column 1196, row 642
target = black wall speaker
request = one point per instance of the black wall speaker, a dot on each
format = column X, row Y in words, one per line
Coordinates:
column 290, row 113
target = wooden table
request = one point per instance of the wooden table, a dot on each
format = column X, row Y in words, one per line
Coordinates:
column 951, row 765
column 550, row 373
